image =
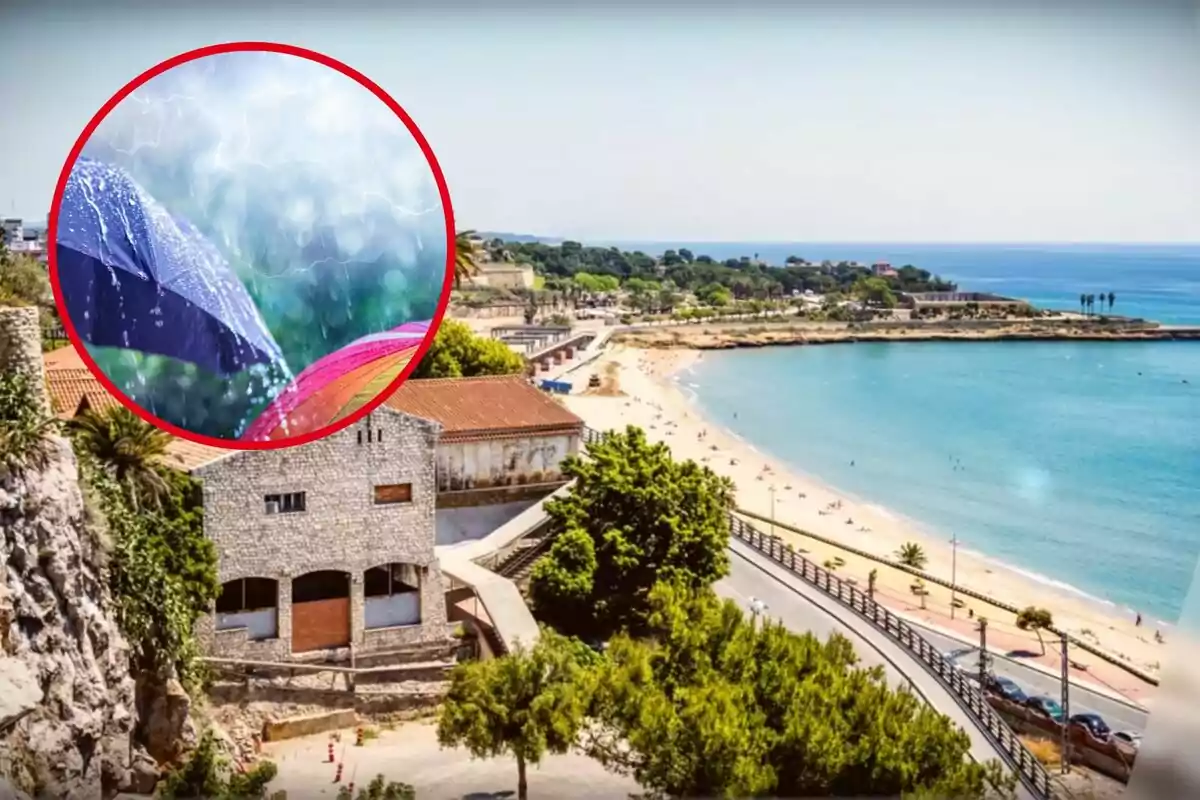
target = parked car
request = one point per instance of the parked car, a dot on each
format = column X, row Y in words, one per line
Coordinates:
column 1006, row 688
column 1128, row 738
column 1094, row 723
column 1046, row 706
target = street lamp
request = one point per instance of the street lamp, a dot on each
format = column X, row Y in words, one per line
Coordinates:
column 771, row 489
column 953, row 573
column 1066, row 707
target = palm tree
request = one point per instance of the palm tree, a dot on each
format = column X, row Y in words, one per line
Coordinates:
column 1083, row 304
column 466, row 264
column 127, row 447
column 1112, row 298
column 912, row 555
column 1036, row 620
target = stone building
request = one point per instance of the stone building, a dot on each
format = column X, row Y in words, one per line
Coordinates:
column 502, row 438
column 327, row 546
column 501, row 448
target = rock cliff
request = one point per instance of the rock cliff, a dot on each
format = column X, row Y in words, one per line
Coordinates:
column 67, row 700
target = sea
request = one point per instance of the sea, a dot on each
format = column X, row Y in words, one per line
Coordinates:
column 1076, row 463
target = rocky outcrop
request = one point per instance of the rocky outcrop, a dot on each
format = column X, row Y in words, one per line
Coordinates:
column 77, row 741
column 67, row 711
column 166, row 728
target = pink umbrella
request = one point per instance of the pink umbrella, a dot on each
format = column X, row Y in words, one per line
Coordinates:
column 338, row 384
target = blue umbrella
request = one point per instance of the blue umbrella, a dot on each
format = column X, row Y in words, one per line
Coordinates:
column 135, row 277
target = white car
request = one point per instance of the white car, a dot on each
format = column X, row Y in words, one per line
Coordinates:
column 1128, row 738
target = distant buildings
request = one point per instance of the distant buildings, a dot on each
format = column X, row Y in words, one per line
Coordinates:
column 948, row 301
column 19, row 239
column 883, row 269
column 504, row 275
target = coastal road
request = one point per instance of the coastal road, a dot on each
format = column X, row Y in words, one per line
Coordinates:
column 802, row 607
column 796, row 612
column 1120, row 716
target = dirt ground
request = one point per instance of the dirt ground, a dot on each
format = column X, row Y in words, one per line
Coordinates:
column 410, row 753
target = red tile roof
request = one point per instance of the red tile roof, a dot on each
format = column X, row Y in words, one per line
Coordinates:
column 63, row 358
column 469, row 408
column 70, row 388
column 70, row 383
column 186, row 455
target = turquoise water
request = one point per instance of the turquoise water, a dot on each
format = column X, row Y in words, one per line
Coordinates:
column 1078, row 462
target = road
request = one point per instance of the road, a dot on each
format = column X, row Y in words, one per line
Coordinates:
column 1120, row 716
column 802, row 607
column 746, row 581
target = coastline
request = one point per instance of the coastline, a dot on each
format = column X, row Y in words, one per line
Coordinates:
column 651, row 398
column 780, row 331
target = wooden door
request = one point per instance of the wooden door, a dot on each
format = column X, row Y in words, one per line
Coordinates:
column 320, row 624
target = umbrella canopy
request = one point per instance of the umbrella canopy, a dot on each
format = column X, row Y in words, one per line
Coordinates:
column 339, row 384
column 133, row 276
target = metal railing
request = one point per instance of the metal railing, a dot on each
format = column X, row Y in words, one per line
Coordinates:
column 961, row 590
column 971, row 699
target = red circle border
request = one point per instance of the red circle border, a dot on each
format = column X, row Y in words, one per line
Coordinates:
column 242, row 47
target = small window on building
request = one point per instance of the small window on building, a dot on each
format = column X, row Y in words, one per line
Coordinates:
column 393, row 493
column 287, row 503
column 360, row 437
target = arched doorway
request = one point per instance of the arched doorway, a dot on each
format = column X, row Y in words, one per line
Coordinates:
column 251, row 604
column 320, row 611
column 392, row 596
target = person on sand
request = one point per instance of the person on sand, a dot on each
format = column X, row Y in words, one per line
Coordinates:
column 1137, row 623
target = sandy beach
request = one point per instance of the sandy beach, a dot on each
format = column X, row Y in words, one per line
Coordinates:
column 639, row 390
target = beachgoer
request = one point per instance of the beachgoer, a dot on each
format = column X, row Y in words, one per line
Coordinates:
column 1138, row 622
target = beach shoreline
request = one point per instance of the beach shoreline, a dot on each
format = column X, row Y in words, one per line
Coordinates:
column 782, row 332
column 652, row 397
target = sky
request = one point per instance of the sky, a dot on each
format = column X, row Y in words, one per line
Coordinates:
column 889, row 122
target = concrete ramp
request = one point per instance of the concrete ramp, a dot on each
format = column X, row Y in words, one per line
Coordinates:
column 511, row 618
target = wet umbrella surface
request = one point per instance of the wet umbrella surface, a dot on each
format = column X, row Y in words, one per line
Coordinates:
column 134, row 277
column 339, row 384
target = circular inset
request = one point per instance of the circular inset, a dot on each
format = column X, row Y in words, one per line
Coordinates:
column 251, row 245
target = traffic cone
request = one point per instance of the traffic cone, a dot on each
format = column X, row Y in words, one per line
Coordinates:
column 350, row 786
column 331, row 758
column 338, row 777
column 358, row 738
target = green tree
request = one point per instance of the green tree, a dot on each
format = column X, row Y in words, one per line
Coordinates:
column 130, row 448
column 527, row 704
column 23, row 281
column 1112, row 298
column 597, row 284
column 1083, row 304
column 1036, row 620
column 714, row 294
column 634, row 517
column 874, row 292
column 912, row 555
column 466, row 258
column 709, row 705
column 380, row 788
column 208, row 775
column 24, row 426
column 457, row 352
